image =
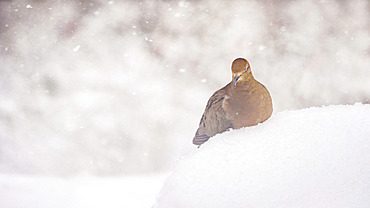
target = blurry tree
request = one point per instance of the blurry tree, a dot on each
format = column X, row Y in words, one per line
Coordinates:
column 114, row 87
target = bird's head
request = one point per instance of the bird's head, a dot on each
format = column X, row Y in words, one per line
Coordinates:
column 240, row 68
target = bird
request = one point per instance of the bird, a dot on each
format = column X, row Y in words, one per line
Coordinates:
column 241, row 103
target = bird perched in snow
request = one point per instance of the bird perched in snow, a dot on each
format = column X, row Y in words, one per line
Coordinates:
column 243, row 102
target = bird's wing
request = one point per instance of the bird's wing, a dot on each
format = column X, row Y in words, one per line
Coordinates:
column 214, row 119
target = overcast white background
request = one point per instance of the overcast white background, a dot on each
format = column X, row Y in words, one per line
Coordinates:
column 117, row 88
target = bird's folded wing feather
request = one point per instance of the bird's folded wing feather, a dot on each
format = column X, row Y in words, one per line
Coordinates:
column 214, row 119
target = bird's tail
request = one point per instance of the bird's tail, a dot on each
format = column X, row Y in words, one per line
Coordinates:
column 199, row 139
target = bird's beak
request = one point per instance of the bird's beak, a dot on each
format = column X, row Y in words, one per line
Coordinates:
column 236, row 79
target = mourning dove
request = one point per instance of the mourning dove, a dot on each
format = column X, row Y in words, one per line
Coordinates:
column 243, row 102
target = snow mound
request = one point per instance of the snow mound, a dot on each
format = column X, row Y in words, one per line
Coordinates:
column 316, row 157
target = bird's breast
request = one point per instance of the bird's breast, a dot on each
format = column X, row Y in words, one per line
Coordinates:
column 248, row 106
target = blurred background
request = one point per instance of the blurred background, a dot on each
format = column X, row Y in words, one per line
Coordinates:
column 118, row 87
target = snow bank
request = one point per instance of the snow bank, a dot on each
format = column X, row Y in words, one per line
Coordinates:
column 79, row 192
column 109, row 87
column 316, row 157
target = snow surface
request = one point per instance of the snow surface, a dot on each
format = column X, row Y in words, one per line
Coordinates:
column 316, row 157
column 19, row 191
column 109, row 88
column 118, row 87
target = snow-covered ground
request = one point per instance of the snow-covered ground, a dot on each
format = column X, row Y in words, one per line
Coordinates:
column 116, row 88
column 314, row 158
column 19, row 191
